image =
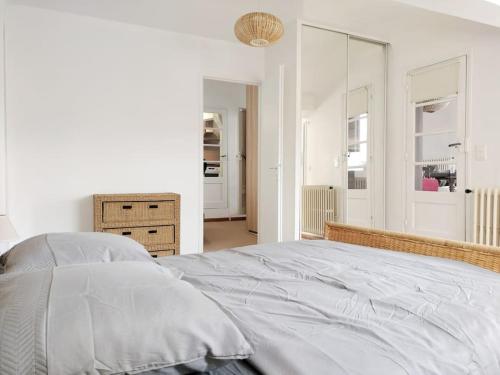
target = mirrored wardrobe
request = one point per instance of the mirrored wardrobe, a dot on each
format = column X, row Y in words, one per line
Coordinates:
column 343, row 96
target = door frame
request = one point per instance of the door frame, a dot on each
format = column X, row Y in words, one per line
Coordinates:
column 299, row 170
column 201, row 177
column 409, row 131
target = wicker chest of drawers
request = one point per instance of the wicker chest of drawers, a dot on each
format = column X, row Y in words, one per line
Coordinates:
column 151, row 219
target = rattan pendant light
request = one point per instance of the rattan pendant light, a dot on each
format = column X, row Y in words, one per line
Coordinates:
column 259, row 29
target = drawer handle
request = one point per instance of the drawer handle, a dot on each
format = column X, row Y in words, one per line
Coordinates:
column 126, row 233
column 153, row 231
column 153, row 206
column 127, row 207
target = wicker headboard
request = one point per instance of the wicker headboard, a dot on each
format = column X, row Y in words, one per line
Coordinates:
column 482, row 256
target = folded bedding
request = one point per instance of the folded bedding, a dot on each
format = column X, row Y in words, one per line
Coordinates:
column 236, row 367
column 57, row 249
column 321, row 307
column 111, row 318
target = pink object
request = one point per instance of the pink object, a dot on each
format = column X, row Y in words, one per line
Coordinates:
column 430, row 184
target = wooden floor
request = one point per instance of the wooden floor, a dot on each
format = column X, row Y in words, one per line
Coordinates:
column 227, row 234
column 307, row 236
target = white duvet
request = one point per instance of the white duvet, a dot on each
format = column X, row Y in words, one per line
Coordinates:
column 320, row 307
column 110, row 318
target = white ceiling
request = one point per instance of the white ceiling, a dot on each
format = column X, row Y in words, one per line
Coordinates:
column 208, row 18
column 215, row 18
column 482, row 11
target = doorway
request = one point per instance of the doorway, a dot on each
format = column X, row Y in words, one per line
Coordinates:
column 230, row 140
column 436, row 153
column 215, row 131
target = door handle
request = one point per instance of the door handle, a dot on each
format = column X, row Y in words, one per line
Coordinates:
column 457, row 144
column 469, row 191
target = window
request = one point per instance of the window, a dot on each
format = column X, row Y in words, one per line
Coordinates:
column 358, row 152
column 436, row 145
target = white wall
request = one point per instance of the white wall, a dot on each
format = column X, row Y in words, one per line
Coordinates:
column 97, row 106
column 230, row 97
column 3, row 171
column 3, row 152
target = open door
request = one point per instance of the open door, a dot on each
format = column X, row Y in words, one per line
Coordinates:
column 252, row 157
column 271, row 150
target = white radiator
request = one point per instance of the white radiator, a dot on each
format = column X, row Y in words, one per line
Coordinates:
column 442, row 164
column 318, row 206
column 486, row 216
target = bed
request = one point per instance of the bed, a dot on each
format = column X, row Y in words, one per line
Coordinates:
column 343, row 305
column 349, row 307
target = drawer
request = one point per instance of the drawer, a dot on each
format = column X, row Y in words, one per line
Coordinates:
column 131, row 212
column 148, row 236
column 162, row 253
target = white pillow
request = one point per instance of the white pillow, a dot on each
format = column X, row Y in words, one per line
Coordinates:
column 107, row 318
column 57, row 249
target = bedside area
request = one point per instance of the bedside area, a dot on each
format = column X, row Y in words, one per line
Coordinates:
column 151, row 219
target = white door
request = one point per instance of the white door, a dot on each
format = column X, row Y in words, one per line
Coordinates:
column 366, row 133
column 215, row 161
column 270, row 157
column 358, row 163
column 436, row 154
column 359, row 139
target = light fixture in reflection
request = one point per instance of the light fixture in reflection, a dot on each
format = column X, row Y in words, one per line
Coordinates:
column 431, row 108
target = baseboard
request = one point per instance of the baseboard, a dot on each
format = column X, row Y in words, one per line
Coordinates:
column 219, row 219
